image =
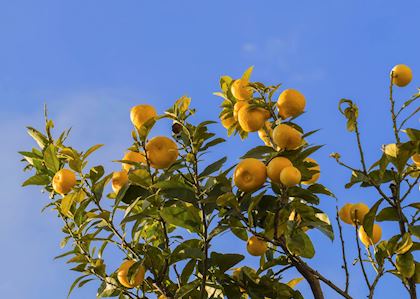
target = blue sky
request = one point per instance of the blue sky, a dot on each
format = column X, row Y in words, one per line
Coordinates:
column 90, row 61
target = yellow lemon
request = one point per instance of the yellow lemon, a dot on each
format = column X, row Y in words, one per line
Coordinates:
column 133, row 157
column 227, row 122
column 237, row 107
column 358, row 212
column 119, row 179
column 162, row 152
column 291, row 103
column 256, row 246
column 290, row 176
column 275, row 166
column 401, row 75
column 344, row 213
column 123, row 275
column 376, row 235
column 63, row 181
column 142, row 113
column 241, row 90
column 249, row 175
column 315, row 177
column 287, row 137
column 251, row 119
column 416, row 159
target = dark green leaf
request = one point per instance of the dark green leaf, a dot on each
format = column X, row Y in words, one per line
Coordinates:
column 370, row 218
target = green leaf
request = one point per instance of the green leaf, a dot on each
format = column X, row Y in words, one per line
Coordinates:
column 37, row 179
column 320, row 189
column 213, row 167
column 212, row 143
column 258, row 152
column 187, row 288
column 183, row 215
column 176, row 189
column 414, row 230
column 387, row 214
column 98, row 188
column 73, row 285
column 225, row 261
column 300, row 244
column 413, row 134
column 370, row 218
column 238, row 229
column 91, row 150
column 50, row 158
column 247, row 74
column 66, row 204
column 187, row 271
column 404, row 245
column 405, row 264
column 40, row 139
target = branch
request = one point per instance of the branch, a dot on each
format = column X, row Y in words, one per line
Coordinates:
column 394, row 118
column 345, row 267
column 360, row 256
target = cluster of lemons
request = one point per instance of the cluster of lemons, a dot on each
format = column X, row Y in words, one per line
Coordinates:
column 251, row 174
column 354, row 214
column 161, row 152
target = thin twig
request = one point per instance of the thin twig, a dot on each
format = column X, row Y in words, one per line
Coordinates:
column 343, row 251
column 360, row 256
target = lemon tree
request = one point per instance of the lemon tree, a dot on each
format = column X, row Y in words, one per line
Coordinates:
column 169, row 203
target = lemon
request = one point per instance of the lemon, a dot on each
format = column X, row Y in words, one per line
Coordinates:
column 376, row 235
column 256, row 246
column 227, row 122
column 401, row 75
column 123, row 275
column 162, row 152
column 275, row 166
column 290, row 176
column 133, row 157
column 63, row 181
column 251, row 119
column 291, row 103
column 287, row 137
column 344, row 213
column 142, row 113
column 249, row 175
column 241, row 90
column 119, row 180
column 358, row 212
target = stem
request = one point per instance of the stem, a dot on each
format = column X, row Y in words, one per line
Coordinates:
column 394, row 118
column 375, row 282
column 343, row 251
column 360, row 256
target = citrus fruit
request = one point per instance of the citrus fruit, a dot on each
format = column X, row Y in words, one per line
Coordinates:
column 162, row 152
column 344, row 213
column 358, row 212
column 63, row 181
column 142, row 113
column 123, row 278
column 290, row 176
column 291, row 103
column 133, row 157
column 238, row 105
column 315, row 177
column 287, row 137
column 227, row 122
column 401, row 75
column 241, row 90
column 251, row 119
column 416, row 159
column 255, row 246
column 250, row 174
column 119, row 179
column 376, row 235
column 275, row 166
